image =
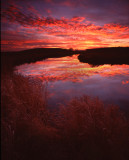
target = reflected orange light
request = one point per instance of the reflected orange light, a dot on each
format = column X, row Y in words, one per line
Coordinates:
column 70, row 69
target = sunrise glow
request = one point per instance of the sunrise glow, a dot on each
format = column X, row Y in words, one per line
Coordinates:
column 64, row 24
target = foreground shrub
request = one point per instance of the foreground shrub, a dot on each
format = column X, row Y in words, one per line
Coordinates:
column 85, row 129
column 23, row 100
column 94, row 131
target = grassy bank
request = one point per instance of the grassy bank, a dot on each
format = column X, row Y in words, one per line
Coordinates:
column 99, row 56
column 84, row 129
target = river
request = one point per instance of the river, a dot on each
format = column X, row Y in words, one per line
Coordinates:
column 68, row 78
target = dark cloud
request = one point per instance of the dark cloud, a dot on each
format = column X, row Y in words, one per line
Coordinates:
column 14, row 14
column 76, row 23
column 100, row 11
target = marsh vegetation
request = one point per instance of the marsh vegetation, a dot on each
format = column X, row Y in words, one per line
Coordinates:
column 84, row 128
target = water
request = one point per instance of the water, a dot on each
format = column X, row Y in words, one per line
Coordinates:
column 67, row 78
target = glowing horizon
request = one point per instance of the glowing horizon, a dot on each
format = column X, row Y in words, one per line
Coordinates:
column 64, row 24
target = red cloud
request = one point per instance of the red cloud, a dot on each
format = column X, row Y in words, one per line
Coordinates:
column 125, row 82
column 66, row 33
column 14, row 14
column 49, row 11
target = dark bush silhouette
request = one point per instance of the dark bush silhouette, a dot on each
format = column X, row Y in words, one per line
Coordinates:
column 85, row 129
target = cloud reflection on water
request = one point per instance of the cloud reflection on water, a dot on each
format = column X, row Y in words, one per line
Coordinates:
column 69, row 68
column 67, row 78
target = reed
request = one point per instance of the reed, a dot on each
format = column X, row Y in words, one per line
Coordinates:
column 84, row 129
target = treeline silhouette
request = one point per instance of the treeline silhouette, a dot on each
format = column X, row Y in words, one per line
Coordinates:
column 99, row 56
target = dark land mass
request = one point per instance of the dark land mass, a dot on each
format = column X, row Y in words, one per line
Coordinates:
column 11, row 59
column 100, row 56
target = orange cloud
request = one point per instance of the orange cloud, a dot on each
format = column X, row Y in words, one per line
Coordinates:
column 125, row 82
column 77, row 32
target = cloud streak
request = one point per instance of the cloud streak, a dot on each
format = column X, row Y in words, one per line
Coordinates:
column 76, row 32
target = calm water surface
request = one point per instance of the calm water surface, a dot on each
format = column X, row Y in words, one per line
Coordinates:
column 67, row 78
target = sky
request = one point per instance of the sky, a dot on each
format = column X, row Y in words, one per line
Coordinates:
column 76, row 24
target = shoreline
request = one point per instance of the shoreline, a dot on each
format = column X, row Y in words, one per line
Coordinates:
column 100, row 56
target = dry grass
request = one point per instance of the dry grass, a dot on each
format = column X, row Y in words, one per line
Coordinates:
column 23, row 101
column 94, row 131
column 85, row 129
